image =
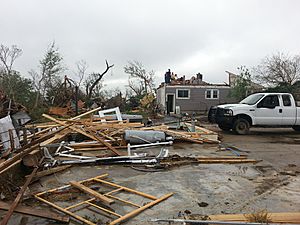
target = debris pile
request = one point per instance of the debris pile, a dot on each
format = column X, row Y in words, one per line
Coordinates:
column 102, row 139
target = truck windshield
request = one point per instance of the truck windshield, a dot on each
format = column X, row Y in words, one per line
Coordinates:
column 252, row 99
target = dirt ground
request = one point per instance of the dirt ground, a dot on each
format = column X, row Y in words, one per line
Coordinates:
column 272, row 184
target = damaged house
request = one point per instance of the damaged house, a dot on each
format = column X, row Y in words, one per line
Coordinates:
column 194, row 95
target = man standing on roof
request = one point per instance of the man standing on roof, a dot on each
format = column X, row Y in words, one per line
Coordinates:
column 168, row 77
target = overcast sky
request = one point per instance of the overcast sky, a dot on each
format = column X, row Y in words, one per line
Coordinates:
column 187, row 36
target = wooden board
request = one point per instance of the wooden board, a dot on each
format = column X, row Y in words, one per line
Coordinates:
column 49, row 171
column 91, row 192
column 36, row 212
column 89, row 135
column 89, row 203
column 286, row 217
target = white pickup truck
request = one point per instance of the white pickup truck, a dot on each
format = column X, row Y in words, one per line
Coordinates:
column 261, row 109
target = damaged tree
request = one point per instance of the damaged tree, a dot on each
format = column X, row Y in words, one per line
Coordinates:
column 93, row 81
column 46, row 80
column 9, row 77
column 140, row 81
column 8, row 57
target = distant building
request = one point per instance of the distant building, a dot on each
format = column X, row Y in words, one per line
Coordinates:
column 254, row 86
column 194, row 95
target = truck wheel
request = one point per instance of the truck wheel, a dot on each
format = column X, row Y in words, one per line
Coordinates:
column 223, row 127
column 296, row 128
column 241, row 126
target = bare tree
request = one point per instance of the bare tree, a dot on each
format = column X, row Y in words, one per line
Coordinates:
column 81, row 68
column 136, row 86
column 279, row 69
column 8, row 57
column 94, row 79
column 140, row 81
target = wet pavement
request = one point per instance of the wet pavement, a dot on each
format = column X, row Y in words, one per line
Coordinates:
column 203, row 188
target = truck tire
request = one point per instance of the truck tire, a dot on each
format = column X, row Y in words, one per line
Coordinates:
column 223, row 127
column 241, row 126
column 296, row 128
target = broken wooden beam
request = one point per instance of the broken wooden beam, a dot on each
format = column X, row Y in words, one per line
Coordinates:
column 91, row 192
column 49, row 171
column 139, row 210
column 25, row 150
column 36, row 212
column 89, row 135
column 18, row 198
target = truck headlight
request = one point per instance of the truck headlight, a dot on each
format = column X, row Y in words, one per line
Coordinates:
column 228, row 112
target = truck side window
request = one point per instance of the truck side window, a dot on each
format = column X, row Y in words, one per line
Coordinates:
column 269, row 101
column 286, row 99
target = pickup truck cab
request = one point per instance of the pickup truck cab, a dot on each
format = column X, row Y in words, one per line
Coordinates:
column 260, row 109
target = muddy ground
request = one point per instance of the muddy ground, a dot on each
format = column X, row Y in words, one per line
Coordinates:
column 272, row 184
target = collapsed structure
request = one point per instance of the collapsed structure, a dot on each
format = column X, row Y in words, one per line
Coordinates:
column 101, row 139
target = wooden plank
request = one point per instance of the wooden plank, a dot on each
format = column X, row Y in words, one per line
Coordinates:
column 56, row 137
column 50, row 171
column 86, row 113
column 122, row 200
column 104, row 209
column 18, row 198
column 114, row 191
column 65, row 211
column 93, row 137
column 26, row 150
column 284, row 217
column 106, row 144
column 230, row 161
column 36, row 212
column 126, row 189
column 80, row 203
column 139, row 210
column 68, row 186
column 222, row 157
column 91, row 192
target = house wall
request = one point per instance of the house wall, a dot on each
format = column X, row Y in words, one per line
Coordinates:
column 197, row 101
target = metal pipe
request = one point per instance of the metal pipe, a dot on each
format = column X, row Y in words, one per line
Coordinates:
column 129, row 146
column 76, row 156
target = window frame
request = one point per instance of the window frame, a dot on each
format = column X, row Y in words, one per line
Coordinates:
column 283, row 101
column 189, row 93
column 212, row 93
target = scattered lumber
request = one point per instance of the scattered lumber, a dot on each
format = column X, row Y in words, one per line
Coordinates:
column 50, row 171
column 109, row 212
column 90, row 134
column 18, row 198
column 91, row 192
column 25, row 150
column 36, row 212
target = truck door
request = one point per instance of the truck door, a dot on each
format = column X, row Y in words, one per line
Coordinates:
column 288, row 110
column 268, row 111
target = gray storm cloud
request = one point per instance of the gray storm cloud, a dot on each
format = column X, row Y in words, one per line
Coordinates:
column 185, row 36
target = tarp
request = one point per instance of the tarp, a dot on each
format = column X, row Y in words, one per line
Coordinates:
column 6, row 125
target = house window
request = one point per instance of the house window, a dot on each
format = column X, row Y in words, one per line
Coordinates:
column 183, row 94
column 212, row 94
